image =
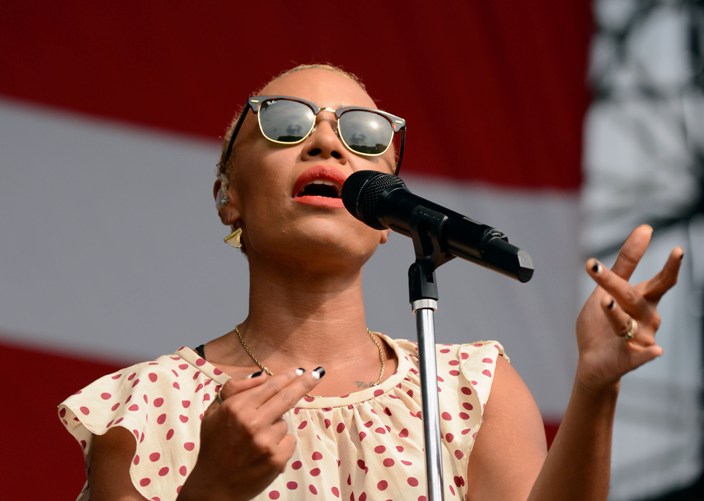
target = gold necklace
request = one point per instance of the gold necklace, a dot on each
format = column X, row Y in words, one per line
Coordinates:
column 382, row 357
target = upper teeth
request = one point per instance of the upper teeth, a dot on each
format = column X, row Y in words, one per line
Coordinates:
column 321, row 181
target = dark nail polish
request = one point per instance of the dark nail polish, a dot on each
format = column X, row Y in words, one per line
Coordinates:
column 255, row 374
column 612, row 304
column 596, row 267
column 682, row 255
column 318, row 373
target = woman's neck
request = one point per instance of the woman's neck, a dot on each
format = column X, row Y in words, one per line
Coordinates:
column 307, row 321
column 306, row 318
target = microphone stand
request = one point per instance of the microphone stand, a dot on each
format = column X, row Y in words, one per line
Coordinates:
column 368, row 196
column 423, row 294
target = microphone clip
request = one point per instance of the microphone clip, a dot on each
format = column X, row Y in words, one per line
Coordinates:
column 426, row 227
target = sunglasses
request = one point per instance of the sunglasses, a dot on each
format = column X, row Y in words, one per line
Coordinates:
column 290, row 120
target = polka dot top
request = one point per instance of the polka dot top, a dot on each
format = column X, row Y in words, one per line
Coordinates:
column 365, row 445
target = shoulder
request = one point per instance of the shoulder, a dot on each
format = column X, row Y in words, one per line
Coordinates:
column 511, row 422
column 466, row 374
column 470, row 367
column 158, row 403
column 177, row 384
column 463, row 351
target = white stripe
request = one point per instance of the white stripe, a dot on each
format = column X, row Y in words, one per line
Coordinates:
column 111, row 247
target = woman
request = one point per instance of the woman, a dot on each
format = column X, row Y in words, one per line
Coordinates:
column 255, row 415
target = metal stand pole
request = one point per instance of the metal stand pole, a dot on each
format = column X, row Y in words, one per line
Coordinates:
column 424, row 310
column 423, row 295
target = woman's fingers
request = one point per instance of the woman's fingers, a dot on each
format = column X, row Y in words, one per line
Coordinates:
column 266, row 398
column 247, row 420
column 281, row 392
column 626, row 296
column 619, row 319
column 617, row 326
column 234, row 386
column 624, row 325
column 631, row 310
column 632, row 251
column 269, row 439
column 666, row 278
column 637, row 303
column 630, row 255
column 286, row 397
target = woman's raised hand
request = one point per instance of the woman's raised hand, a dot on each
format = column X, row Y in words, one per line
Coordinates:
column 617, row 325
column 245, row 442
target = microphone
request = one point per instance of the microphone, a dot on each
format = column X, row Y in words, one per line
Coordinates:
column 383, row 201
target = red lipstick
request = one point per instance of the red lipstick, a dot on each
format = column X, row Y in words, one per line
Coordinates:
column 320, row 186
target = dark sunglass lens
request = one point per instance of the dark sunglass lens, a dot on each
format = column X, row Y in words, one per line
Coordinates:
column 285, row 121
column 366, row 132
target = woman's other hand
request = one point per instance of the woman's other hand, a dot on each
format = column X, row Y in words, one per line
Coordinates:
column 617, row 325
column 245, row 442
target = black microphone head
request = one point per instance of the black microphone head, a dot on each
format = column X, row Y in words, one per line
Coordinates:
column 362, row 192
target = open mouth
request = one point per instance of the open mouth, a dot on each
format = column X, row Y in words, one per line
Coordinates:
column 320, row 185
column 320, row 188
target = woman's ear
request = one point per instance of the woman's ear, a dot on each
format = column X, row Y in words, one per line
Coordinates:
column 222, row 193
column 218, row 188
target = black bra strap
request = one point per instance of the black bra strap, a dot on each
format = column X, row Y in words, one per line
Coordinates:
column 201, row 351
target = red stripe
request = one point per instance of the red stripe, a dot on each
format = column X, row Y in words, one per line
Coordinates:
column 40, row 459
column 551, row 427
column 492, row 91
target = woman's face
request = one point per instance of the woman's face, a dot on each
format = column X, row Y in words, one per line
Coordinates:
column 286, row 198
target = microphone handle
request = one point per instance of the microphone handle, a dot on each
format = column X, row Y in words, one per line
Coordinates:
column 460, row 236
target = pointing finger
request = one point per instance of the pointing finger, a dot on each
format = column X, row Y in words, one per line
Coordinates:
column 632, row 251
column 287, row 397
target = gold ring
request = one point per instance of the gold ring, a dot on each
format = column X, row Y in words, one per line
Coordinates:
column 632, row 328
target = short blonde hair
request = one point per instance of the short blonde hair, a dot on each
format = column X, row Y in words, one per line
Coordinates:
column 222, row 168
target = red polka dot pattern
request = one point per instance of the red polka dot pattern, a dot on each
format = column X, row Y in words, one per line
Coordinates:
column 365, row 445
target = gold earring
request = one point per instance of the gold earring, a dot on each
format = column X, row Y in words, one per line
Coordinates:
column 235, row 238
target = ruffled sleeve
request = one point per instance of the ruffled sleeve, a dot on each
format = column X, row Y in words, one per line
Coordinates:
column 161, row 403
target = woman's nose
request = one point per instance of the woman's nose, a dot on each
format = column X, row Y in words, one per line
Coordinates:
column 324, row 142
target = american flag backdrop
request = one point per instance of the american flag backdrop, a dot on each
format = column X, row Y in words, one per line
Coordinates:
column 111, row 118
